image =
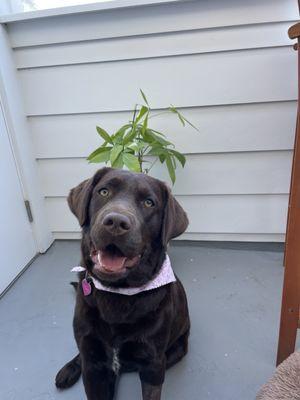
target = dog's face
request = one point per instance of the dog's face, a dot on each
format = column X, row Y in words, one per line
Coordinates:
column 127, row 219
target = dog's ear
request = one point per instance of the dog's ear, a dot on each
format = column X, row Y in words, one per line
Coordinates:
column 80, row 196
column 175, row 220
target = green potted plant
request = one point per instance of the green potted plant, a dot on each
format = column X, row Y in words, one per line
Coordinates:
column 137, row 146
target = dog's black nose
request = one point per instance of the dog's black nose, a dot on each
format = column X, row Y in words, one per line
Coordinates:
column 116, row 224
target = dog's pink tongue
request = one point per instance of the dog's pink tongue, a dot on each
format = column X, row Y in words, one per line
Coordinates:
column 112, row 262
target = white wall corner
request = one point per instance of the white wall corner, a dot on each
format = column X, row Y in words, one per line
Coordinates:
column 21, row 141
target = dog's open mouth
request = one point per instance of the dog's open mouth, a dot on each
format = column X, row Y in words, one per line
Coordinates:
column 112, row 260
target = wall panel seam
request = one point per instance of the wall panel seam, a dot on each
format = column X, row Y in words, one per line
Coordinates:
column 127, row 60
column 217, row 153
column 47, row 197
column 161, row 108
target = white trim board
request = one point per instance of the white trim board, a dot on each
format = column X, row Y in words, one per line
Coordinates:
column 158, row 18
column 22, row 145
column 226, row 237
column 81, row 9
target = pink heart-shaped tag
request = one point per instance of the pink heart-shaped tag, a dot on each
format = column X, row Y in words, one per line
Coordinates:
column 86, row 287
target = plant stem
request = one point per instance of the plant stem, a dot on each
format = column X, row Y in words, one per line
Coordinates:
column 145, row 149
column 148, row 169
column 134, row 114
column 140, row 161
column 140, row 154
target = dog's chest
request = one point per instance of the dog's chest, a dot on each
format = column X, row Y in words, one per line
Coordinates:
column 115, row 361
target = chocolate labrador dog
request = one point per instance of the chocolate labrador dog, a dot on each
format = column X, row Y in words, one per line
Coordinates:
column 138, row 319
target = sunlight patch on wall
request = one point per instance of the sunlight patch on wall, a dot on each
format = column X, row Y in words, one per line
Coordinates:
column 14, row 6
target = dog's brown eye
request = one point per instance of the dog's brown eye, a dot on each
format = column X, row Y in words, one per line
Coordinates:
column 148, row 203
column 104, row 192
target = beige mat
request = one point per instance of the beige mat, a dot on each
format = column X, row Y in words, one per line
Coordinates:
column 285, row 383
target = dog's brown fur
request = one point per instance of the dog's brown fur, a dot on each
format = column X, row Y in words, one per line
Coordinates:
column 147, row 332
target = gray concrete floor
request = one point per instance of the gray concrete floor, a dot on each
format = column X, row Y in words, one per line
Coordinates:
column 234, row 293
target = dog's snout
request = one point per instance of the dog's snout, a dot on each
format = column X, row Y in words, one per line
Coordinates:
column 116, row 224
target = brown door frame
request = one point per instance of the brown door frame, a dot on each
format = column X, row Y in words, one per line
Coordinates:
column 291, row 285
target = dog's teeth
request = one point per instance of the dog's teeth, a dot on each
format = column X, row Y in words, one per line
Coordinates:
column 99, row 258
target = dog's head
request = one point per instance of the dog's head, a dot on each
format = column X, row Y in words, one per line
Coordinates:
column 127, row 220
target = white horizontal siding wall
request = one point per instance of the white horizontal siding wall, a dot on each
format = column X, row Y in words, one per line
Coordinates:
column 229, row 66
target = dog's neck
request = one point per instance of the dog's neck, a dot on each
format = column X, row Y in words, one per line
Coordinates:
column 164, row 276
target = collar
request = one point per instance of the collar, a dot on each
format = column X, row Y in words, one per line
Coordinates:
column 162, row 278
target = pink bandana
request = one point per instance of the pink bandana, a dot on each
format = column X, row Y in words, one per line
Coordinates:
column 165, row 276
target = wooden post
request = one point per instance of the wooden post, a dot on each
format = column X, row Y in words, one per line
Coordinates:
column 291, row 286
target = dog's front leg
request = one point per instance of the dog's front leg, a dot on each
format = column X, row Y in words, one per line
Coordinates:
column 152, row 377
column 151, row 392
column 99, row 381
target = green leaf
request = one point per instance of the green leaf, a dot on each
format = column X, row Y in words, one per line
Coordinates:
column 120, row 132
column 117, row 149
column 147, row 137
column 141, row 144
column 180, row 157
column 104, row 134
column 162, row 158
column 171, row 169
column 102, row 154
column 175, row 111
column 156, row 151
column 118, row 163
column 157, row 138
column 159, row 133
column 144, row 97
column 123, row 129
column 188, row 122
column 96, row 152
column 130, row 136
column 173, row 161
column 182, row 118
column 142, row 112
column 131, row 162
column 133, row 146
column 145, row 124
